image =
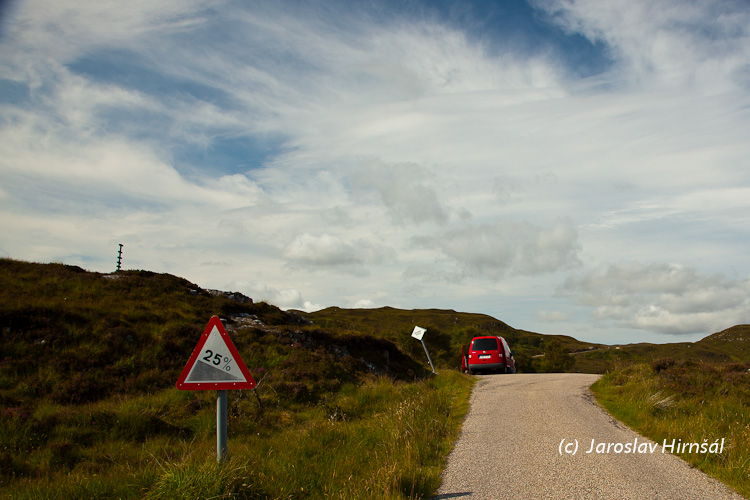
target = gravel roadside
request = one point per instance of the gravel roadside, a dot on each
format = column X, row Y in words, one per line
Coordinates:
column 511, row 446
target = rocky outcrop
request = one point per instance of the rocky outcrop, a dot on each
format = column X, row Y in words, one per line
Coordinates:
column 238, row 297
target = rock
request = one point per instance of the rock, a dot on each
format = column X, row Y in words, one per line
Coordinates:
column 235, row 296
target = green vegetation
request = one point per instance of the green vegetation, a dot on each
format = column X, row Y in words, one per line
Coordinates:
column 345, row 405
column 88, row 365
column 378, row 439
column 690, row 402
column 447, row 332
column 728, row 346
column 555, row 359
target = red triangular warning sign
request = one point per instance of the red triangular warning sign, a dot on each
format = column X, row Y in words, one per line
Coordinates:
column 215, row 363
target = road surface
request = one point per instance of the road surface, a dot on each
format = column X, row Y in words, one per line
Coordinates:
column 511, row 446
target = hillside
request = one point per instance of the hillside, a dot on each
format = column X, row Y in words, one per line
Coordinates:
column 734, row 342
column 81, row 336
column 447, row 332
column 728, row 346
column 88, row 363
column 88, row 366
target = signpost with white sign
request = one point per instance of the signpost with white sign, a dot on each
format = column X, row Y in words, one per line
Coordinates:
column 418, row 334
column 216, row 365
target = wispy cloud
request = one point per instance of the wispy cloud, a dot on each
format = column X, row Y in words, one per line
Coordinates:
column 666, row 43
column 346, row 153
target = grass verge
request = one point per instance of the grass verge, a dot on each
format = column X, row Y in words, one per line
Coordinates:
column 379, row 439
column 687, row 402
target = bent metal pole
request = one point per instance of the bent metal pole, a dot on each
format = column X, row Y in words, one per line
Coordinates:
column 428, row 356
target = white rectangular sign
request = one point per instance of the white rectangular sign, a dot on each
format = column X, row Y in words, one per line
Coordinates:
column 418, row 333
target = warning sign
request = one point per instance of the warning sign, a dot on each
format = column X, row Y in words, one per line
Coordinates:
column 215, row 363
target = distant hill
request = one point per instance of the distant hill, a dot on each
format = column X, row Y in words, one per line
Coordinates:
column 732, row 344
column 728, row 346
column 737, row 336
column 447, row 332
column 80, row 335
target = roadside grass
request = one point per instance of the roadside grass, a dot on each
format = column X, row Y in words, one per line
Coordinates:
column 689, row 402
column 381, row 439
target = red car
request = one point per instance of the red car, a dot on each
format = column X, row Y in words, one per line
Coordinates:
column 490, row 354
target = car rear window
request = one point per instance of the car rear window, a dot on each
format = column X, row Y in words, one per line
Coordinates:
column 484, row 345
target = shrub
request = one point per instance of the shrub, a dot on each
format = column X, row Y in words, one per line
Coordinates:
column 662, row 364
column 556, row 359
column 80, row 388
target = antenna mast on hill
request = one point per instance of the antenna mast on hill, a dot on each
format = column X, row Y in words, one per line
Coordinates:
column 119, row 258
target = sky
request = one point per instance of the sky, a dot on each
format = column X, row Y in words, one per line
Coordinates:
column 577, row 167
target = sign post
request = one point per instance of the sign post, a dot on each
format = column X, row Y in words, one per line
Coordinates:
column 215, row 364
column 221, row 425
column 418, row 334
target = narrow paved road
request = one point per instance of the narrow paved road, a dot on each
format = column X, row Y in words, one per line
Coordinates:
column 511, row 441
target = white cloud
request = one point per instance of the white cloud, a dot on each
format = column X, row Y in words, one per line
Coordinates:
column 365, row 304
column 110, row 171
column 39, row 27
column 375, row 151
column 285, row 298
column 332, row 253
column 508, row 247
column 698, row 43
column 551, row 316
column 405, row 189
column 663, row 298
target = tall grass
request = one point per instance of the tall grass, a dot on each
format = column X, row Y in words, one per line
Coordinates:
column 690, row 403
column 382, row 439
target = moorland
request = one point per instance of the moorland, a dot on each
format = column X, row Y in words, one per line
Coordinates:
column 89, row 361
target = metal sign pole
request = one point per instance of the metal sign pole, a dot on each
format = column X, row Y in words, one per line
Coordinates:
column 221, row 426
column 418, row 334
column 428, row 356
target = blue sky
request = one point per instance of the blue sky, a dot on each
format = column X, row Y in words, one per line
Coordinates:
column 567, row 166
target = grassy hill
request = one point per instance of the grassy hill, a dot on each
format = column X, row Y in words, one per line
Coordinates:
column 728, row 346
column 79, row 336
column 731, row 345
column 88, row 363
column 447, row 332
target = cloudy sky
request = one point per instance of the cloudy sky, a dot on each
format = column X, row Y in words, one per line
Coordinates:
column 567, row 166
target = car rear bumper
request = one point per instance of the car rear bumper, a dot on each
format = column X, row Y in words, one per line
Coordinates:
column 486, row 366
